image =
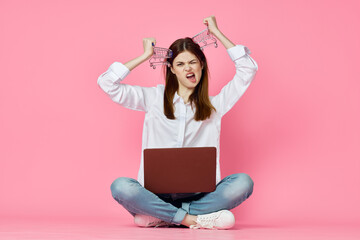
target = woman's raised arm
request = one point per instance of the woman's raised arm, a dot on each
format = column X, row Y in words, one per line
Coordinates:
column 213, row 28
column 130, row 96
column 148, row 52
column 246, row 68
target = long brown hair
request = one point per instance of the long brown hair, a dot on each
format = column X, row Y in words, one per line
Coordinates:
column 200, row 96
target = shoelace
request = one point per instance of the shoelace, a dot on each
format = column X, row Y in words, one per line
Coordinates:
column 205, row 222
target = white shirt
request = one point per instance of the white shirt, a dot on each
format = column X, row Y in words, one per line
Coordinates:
column 184, row 131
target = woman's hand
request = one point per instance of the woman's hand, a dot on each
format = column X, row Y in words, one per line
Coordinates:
column 213, row 28
column 210, row 22
column 148, row 52
column 148, row 47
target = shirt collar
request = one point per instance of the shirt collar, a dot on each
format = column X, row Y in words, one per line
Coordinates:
column 176, row 97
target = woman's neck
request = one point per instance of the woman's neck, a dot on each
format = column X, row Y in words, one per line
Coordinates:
column 185, row 93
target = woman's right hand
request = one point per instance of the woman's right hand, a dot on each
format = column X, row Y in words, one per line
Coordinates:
column 148, row 52
column 148, row 47
column 210, row 22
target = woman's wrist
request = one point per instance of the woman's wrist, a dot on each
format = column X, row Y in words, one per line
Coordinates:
column 223, row 39
column 217, row 33
column 144, row 57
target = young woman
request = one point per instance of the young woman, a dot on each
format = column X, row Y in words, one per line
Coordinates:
column 181, row 114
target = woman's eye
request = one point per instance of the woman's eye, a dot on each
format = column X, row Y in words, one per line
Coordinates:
column 179, row 64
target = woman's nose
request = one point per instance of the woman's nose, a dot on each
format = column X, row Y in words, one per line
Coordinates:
column 187, row 67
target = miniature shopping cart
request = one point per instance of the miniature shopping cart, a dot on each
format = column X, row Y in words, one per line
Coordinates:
column 204, row 39
column 159, row 56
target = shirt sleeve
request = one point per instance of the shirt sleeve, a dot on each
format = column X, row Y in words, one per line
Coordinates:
column 246, row 68
column 129, row 96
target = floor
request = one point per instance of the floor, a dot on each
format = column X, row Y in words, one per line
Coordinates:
column 40, row 229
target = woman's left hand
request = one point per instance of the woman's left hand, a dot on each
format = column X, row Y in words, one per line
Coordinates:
column 210, row 22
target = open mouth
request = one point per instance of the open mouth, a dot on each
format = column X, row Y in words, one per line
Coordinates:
column 191, row 77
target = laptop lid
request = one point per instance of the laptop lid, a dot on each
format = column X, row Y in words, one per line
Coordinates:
column 180, row 170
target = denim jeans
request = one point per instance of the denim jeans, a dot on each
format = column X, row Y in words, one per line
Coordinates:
column 172, row 208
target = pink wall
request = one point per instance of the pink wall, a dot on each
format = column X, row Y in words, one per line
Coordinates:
column 295, row 131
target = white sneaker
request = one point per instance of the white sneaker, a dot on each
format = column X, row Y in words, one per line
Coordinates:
column 149, row 221
column 222, row 219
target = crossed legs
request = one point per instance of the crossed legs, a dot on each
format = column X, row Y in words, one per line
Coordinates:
column 230, row 192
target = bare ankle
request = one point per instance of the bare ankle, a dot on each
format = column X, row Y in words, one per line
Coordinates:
column 189, row 220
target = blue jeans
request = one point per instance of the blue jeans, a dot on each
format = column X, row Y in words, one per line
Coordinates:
column 172, row 208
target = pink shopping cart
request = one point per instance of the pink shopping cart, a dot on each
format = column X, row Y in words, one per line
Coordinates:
column 159, row 56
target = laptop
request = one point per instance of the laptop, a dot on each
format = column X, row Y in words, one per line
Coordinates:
column 180, row 170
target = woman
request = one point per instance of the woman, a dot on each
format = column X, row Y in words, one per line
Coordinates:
column 181, row 114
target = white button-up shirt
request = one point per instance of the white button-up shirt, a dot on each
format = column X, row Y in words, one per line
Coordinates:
column 184, row 131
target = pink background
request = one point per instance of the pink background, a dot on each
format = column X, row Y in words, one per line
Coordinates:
column 295, row 131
